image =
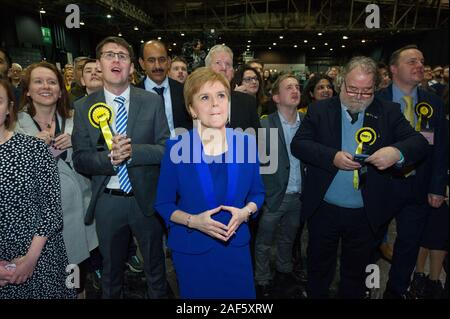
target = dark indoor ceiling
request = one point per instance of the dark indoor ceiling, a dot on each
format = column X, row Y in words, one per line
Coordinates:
column 263, row 22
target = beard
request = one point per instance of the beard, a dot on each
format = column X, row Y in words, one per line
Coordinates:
column 354, row 104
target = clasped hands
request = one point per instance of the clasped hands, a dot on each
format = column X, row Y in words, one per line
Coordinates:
column 24, row 269
column 121, row 149
column 382, row 159
column 206, row 224
column 60, row 142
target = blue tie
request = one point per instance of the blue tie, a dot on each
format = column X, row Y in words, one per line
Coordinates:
column 121, row 128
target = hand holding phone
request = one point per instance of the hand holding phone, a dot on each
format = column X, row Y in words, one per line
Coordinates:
column 360, row 158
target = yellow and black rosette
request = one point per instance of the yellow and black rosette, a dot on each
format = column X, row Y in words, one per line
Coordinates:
column 101, row 115
column 423, row 111
column 365, row 135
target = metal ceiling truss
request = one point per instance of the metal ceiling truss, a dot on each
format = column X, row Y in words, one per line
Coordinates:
column 297, row 15
column 128, row 10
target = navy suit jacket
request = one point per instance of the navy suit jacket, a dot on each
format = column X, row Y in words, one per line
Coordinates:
column 431, row 173
column 188, row 186
column 181, row 117
column 319, row 139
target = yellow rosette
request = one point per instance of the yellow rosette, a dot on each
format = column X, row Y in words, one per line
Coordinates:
column 101, row 115
column 365, row 135
column 423, row 110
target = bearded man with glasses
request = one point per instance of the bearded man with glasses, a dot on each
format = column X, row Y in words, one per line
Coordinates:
column 348, row 143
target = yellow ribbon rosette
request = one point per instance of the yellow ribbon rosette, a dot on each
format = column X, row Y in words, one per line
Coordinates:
column 101, row 115
column 423, row 110
column 365, row 135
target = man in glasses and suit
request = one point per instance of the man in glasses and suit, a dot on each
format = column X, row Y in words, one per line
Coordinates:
column 124, row 167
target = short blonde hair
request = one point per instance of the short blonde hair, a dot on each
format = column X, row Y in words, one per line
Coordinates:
column 197, row 79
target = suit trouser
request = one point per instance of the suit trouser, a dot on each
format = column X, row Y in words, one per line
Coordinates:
column 288, row 218
column 326, row 227
column 410, row 219
column 116, row 217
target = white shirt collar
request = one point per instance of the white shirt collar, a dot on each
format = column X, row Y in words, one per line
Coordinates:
column 150, row 84
column 110, row 96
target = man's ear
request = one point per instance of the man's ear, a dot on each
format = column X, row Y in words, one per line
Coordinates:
column 142, row 64
column 393, row 68
column 276, row 98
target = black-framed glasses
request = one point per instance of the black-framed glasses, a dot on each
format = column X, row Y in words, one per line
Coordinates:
column 249, row 79
column 365, row 95
column 110, row 55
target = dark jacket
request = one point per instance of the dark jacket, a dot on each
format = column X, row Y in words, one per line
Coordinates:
column 431, row 172
column 319, row 139
column 276, row 183
column 181, row 117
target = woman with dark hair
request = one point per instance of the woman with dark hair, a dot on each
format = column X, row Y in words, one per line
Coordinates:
column 45, row 114
column 248, row 80
column 33, row 258
column 319, row 87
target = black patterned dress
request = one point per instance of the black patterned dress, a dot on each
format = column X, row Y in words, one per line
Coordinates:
column 30, row 205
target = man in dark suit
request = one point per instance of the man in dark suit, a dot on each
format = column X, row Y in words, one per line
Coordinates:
column 281, row 214
column 420, row 187
column 243, row 112
column 155, row 62
column 124, row 179
column 345, row 195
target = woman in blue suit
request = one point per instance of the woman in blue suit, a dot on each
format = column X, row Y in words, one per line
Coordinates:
column 209, row 187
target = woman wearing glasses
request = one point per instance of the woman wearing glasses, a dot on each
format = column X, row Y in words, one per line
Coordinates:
column 248, row 80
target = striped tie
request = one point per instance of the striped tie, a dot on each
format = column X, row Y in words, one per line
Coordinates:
column 121, row 128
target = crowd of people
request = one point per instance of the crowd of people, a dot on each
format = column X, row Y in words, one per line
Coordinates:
column 102, row 167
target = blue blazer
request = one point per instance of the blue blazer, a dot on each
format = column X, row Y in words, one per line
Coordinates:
column 431, row 173
column 187, row 185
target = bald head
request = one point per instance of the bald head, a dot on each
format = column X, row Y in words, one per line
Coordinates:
column 154, row 60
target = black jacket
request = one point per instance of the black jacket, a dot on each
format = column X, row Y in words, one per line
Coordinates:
column 319, row 139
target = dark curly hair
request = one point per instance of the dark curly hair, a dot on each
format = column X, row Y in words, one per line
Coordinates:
column 308, row 91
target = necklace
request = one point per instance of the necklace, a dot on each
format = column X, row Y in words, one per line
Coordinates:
column 45, row 123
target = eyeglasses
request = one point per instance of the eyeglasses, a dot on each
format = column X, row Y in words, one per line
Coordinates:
column 109, row 55
column 250, row 79
column 364, row 95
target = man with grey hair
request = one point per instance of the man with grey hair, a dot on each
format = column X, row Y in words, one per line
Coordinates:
column 348, row 143
column 243, row 112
